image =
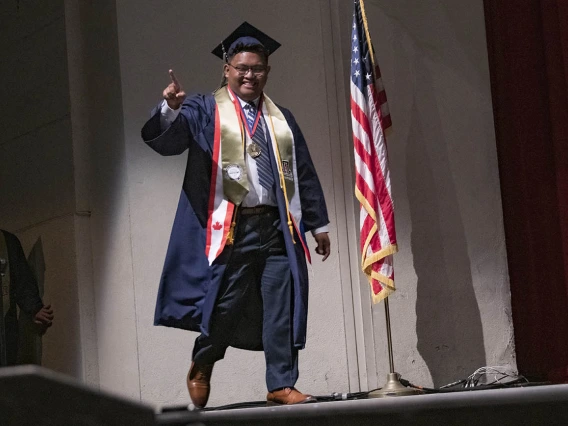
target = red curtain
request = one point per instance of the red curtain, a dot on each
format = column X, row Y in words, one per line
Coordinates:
column 528, row 57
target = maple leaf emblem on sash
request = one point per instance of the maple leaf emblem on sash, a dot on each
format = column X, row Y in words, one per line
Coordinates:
column 217, row 226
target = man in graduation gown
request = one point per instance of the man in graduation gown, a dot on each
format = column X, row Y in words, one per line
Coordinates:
column 19, row 289
column 235, row 269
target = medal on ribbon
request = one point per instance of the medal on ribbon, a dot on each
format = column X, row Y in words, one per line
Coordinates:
column 254, row 150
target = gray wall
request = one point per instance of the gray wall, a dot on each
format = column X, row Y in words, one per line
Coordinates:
column 37, row 197
column 78, row 175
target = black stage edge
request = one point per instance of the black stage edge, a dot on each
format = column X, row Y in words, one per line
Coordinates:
column 32, row 395
column 539, row 405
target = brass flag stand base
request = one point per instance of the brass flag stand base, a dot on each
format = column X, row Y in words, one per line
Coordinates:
column 393, row 386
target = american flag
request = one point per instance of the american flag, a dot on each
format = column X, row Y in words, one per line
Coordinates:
column 370, row 118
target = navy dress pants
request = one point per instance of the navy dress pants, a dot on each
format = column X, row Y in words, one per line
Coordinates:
column 258, row 259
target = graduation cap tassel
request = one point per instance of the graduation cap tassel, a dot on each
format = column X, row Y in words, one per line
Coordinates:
column 223, row 78
column 225, row 56
column 222, row 84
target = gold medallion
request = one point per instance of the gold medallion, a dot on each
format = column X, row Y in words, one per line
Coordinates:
column 254, row 150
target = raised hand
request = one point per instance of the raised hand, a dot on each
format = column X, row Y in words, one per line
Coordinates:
column 174, row 94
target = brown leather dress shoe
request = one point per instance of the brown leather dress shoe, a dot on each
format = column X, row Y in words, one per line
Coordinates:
column 288, row 396
column 198, row 379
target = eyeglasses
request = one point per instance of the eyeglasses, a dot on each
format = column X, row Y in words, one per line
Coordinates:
column 258, row 70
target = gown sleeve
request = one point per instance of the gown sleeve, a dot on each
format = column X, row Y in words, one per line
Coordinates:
column 195, row 115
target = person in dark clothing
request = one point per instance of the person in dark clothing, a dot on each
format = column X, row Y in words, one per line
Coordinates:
column 19, row 289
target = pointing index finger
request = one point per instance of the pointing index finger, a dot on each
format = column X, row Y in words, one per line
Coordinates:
column 174, row 79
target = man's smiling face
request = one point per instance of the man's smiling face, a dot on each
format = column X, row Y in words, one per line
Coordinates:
column 249, row 86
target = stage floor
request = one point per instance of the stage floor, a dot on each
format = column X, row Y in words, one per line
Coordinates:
column 538, row 405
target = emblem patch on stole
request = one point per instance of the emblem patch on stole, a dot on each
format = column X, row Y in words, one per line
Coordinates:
column 234, row 172
column 287, row 170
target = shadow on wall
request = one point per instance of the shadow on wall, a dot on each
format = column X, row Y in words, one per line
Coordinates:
column 448, row 323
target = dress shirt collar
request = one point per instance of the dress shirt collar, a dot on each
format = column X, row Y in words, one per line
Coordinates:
column 245, row 103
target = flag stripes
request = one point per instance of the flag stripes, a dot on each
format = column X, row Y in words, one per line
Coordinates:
column 370, row 119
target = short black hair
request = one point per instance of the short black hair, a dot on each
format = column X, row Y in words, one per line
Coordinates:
column 259, row 49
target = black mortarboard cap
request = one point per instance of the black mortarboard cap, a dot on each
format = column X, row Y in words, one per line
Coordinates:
column 247, row 35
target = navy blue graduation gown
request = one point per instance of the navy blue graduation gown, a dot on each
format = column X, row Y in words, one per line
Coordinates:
column 189, row 285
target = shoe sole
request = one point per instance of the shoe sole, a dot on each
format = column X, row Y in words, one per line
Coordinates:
column 274, row 403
